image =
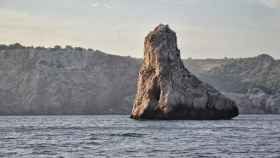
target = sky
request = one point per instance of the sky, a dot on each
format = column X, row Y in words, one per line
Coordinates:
column 205, row 28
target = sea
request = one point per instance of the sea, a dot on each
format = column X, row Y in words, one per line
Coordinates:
column 94, row 136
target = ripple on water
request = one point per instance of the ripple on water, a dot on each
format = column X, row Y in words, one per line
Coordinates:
column 119, row 136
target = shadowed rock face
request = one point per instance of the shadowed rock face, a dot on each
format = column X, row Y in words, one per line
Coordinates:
column 167, row 90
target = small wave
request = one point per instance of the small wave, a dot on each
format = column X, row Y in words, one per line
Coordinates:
column 134, row 135
column 93, row 143
column 9, row 138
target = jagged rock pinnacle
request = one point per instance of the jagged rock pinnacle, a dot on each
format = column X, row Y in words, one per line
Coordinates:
column 167, row 90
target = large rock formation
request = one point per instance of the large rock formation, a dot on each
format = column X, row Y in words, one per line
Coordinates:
column 167, row 90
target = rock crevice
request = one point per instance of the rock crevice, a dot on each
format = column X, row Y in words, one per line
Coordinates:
column 167, row 90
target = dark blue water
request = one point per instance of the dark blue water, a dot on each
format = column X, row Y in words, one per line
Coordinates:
column 118, row 136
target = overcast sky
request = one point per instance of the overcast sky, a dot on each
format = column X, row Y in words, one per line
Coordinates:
column 205, row 28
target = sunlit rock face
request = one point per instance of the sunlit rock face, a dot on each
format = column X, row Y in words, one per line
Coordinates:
column 167, row 90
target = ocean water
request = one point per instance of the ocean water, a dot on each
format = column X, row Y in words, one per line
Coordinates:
column 119, row 136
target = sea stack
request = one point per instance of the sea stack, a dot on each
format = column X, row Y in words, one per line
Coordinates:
column 167, row 90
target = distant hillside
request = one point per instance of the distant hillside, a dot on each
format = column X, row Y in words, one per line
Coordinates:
column 240, row 75
column 85, row 81
column 201, row 66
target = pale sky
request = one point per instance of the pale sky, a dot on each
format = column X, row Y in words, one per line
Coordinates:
column 205, row 28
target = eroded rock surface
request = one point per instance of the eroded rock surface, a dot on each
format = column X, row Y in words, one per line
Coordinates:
column 167, row 90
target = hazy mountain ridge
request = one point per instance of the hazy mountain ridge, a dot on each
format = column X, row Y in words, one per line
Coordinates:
column 85, row 81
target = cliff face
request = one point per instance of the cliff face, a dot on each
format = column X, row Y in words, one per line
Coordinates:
column 65, row 81
column 79, row 81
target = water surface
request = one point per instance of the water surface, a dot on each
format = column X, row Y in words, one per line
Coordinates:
column 118, row 136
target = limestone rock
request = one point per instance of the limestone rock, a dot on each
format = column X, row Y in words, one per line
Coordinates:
column 167, row 90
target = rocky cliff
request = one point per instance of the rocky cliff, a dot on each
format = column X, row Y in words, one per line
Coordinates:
column 65, row 81
column 85, row 81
